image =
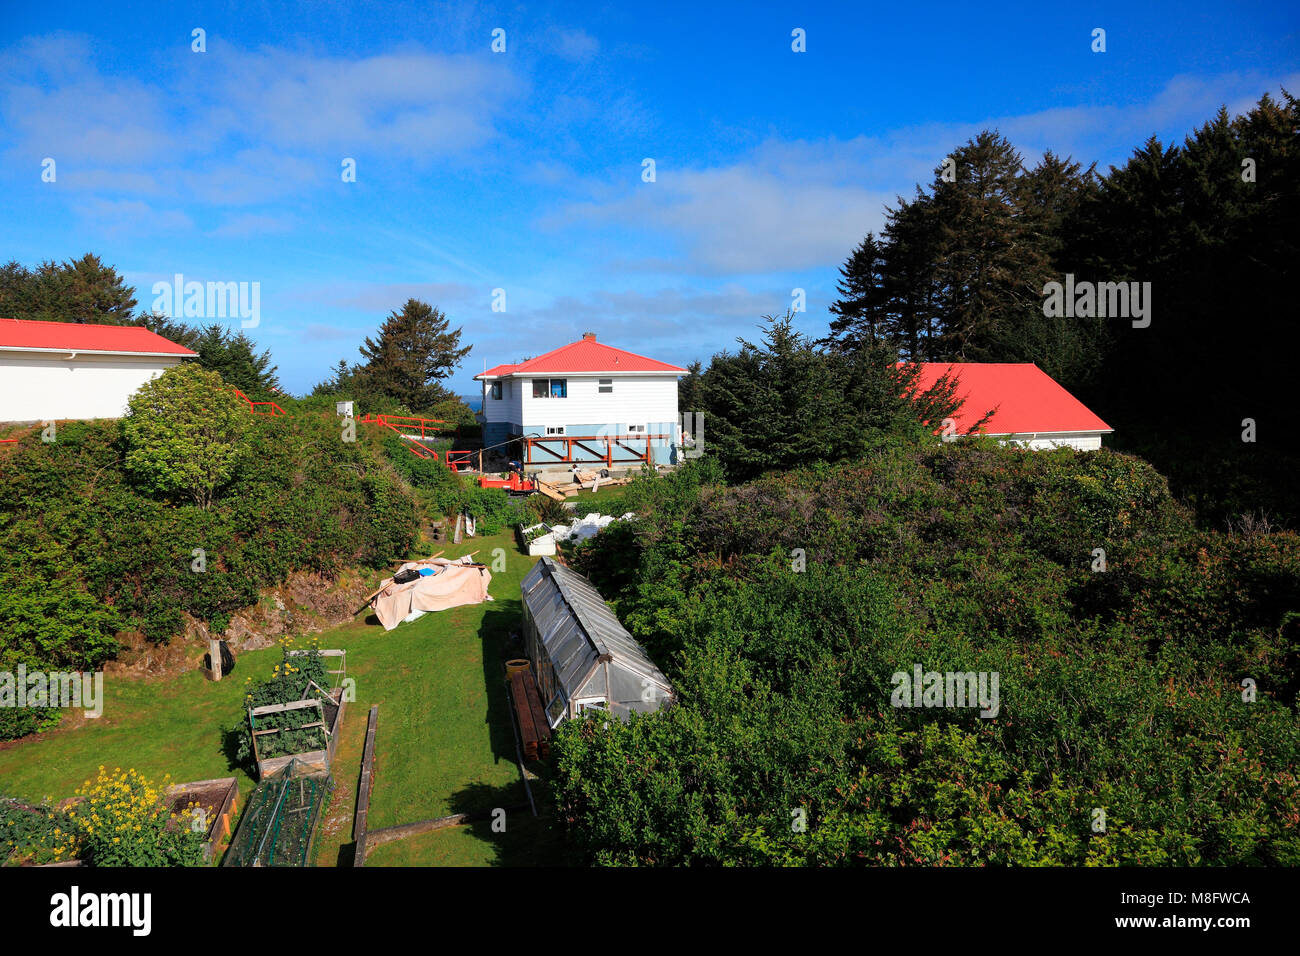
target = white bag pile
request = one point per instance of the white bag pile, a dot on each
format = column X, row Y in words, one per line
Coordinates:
column 585, row 528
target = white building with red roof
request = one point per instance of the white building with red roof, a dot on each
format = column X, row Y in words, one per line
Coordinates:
column 580, row 390
column 1029, row 407
column 60, row 370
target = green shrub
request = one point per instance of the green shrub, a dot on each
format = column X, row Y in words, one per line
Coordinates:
column 781, row 609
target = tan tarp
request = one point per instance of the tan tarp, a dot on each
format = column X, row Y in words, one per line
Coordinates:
column 454, row 584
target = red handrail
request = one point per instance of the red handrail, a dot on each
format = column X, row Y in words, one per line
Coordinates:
column 412, row 443
column 273, row 409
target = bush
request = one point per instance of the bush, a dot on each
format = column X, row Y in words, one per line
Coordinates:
column 123, row 820
column 33, row 835
column 301, row 500
column 780, row 609
column 183, row 433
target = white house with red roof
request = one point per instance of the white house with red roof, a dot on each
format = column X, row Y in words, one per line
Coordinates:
column 59, row 370
column 583, row 389
column 1030, row 409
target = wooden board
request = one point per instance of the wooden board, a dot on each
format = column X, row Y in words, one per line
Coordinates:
column 533, row 727
column 550, row 490
column 527, row 727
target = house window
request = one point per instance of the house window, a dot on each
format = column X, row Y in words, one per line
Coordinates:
column 605, row 385
column 550, row 388
column 496, row 390
column 635, row 429
column 555, row 429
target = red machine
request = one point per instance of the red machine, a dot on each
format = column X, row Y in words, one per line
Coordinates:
column 515, row 484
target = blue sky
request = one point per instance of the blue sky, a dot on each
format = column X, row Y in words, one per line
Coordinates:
column 522, row 170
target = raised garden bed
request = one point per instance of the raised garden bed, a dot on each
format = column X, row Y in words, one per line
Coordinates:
column 314, row 739
column 537, row 539
column 218, row 806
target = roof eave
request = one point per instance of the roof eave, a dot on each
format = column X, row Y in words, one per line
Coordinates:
column 79, row 350
column 525, row 373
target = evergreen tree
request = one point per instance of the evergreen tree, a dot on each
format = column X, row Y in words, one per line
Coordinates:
column 81, row 290
column 914, row 325
column 414, row 352
column 860, row 311
column 986, row 266
column 234, row 357
column 784, row 402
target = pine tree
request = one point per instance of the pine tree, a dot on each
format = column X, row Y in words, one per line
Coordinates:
column 81, row 290
column 860, row 310
column 913, row 324
column 985, row 264
column 234, row 357
column 414, row 352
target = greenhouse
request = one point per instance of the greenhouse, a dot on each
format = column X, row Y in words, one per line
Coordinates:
column 582, row 657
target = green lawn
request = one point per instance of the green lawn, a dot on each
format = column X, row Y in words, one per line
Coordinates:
column 527, row 841
column 598, row 500
column 445, row 741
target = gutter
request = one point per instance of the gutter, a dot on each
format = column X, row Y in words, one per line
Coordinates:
column 75, row 353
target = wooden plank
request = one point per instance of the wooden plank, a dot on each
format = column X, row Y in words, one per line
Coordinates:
column 541, row 725
column 523, row 710
column 549, row 490
column 278, row 708
column 363, row 798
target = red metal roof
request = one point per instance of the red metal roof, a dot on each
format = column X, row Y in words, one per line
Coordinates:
column 81, row 337
column 584, row 355
column 1026, row 399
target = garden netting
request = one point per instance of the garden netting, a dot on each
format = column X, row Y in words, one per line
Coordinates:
column 280, row 820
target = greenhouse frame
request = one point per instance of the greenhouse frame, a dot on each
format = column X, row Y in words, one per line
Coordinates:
column 583, row 659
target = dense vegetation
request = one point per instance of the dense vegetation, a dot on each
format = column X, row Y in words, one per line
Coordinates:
column 960, row 271
column 121, row 525
column 781, row 609
column 118, row 818
column 87, row 548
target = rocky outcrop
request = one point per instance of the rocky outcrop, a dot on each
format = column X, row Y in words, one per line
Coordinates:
column 305, row 603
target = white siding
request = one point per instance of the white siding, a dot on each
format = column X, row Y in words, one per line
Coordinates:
column 35, row 387
column 509, row 408
column 635, row 400
column 1046, row 441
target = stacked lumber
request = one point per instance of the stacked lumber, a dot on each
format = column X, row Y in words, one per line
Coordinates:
column 534, row 730
column 563, row 492
column 550, row 490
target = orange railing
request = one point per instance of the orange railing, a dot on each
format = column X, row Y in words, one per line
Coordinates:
column 413, row 442
column 262, row 408
column 461, row 461
column 611, row 449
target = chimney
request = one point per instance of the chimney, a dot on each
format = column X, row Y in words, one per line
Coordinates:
column 589, row 336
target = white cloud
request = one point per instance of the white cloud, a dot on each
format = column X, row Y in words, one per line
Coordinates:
column 790, row 205
column 115, row 216
column 240, row 126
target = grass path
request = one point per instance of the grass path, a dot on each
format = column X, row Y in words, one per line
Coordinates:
column 445, row 742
